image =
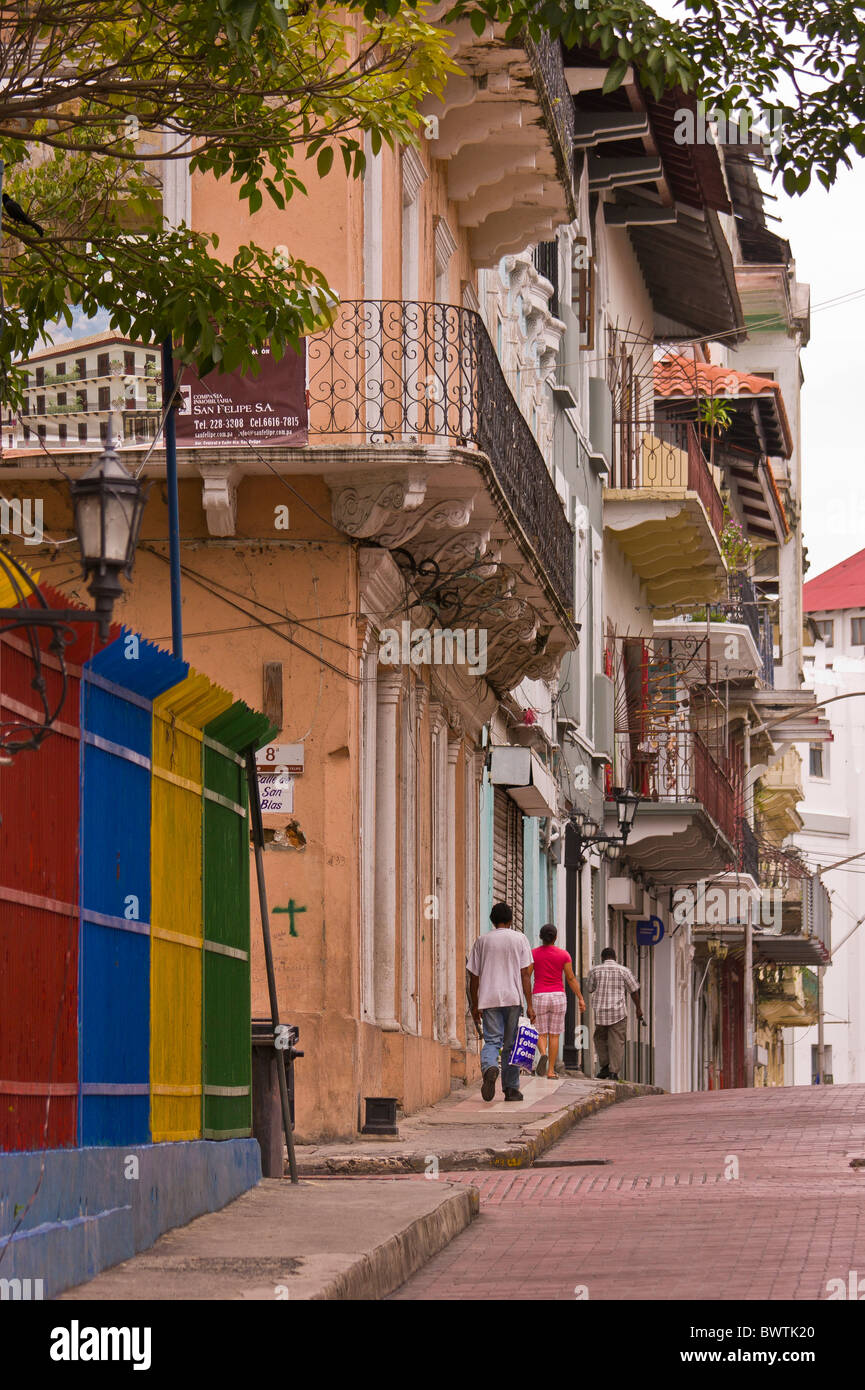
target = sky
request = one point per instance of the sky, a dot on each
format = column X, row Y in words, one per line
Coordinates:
column 825, row 231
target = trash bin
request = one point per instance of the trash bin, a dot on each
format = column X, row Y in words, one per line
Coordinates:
column 266, row 1106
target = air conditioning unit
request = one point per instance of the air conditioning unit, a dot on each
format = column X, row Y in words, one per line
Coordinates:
column 600, row 422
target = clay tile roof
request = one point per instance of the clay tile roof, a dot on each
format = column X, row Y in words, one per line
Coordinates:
column 679, row 377
column 842, row 586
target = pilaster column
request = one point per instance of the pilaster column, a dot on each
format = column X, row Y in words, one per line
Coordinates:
column 438, row 838
column 387, row 741
column 450, row 932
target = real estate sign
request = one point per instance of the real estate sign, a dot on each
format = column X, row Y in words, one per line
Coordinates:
column 227, row 408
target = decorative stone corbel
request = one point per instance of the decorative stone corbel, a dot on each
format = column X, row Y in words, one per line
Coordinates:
column 367, row 509
column 382, row 587
column 219, row 497
column 438, row 515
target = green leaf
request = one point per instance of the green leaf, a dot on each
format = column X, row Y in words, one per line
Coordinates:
column 616, row 76
column 324, row 161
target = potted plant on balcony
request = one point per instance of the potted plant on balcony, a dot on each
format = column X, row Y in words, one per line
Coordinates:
column 715, row 416
column 735, row 545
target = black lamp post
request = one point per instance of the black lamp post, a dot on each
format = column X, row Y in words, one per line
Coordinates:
column 109, row 505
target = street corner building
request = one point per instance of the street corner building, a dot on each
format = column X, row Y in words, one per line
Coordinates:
column 512, row 542
column 125, row 1067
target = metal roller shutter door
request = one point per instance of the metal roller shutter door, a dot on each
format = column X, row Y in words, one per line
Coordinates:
column 508, row 854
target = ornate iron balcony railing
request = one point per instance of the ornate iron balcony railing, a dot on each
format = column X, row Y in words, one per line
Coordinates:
column 654, row 453
column 673, row 764
column 557, row 102
column 400, row 372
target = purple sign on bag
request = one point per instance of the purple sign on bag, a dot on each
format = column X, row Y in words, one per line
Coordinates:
column 525, row 1046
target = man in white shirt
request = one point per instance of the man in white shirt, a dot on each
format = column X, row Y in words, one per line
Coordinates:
column 500, row 973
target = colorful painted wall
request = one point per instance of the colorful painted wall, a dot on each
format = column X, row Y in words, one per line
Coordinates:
column 124, row 900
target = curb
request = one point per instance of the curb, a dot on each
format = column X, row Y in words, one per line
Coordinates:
column 385, row 1268
column 533, row 1142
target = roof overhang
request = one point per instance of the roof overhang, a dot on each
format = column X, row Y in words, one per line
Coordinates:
column 759, row 425
column 788, row 948
column 756, row 495
column 689, row 272
column 807, row 725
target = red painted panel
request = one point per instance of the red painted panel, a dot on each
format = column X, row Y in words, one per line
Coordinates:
column 39, row 1032
column 39, row 805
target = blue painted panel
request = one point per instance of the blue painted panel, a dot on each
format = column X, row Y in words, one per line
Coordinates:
column 115, row 852
column 114, row 982
column 115, row 1034
column 138, row 665
column 119, row 720
column 79, row 1211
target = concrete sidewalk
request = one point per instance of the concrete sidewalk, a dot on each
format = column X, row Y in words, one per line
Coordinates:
column 360, row 1223
column 330, row 1239
column 463, row 1131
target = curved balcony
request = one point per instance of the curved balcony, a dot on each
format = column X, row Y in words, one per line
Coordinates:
column 394, row 372
column 665, row 512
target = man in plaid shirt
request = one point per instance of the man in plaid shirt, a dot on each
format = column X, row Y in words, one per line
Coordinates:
column 610, row 984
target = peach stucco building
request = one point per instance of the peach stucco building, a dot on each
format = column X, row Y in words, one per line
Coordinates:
column 496, row 458
column 296, row 559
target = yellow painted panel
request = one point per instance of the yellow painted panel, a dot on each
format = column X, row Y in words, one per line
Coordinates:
column 176, row 905
column 176, row 859
column 193, row 702
column 10, row 594
column 176, row 751
column 176, row 911
column 175, row 1040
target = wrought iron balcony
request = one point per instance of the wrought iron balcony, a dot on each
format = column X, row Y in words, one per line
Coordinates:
column 400, row 372
column 767, row 650
column 555, row 96
column 663, row 454
column 672, row 764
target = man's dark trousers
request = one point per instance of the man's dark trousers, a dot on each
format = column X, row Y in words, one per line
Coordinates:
column 500, row 1029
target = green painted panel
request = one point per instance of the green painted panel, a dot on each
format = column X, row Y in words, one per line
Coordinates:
column 226, row 1006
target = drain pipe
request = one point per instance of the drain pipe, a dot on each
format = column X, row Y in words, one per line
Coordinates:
column 258, row 841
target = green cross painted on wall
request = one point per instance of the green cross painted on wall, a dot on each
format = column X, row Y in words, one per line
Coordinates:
column 291, row 910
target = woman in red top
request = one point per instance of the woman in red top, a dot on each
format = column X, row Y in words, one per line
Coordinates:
column 552, row 967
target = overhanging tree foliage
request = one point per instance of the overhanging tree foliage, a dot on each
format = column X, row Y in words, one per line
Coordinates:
column 95, row 93
column 804, row 61
column 251, row 89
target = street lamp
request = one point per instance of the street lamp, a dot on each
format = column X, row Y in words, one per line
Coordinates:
column 109, row 505
column 585, row 829
column 626, row 808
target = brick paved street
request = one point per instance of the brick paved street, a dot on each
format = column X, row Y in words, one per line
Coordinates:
column 661, row 1220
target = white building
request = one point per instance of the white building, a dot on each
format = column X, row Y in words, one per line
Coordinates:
column 833, row 817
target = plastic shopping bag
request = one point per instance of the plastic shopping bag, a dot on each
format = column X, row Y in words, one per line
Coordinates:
column 525, row 1045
